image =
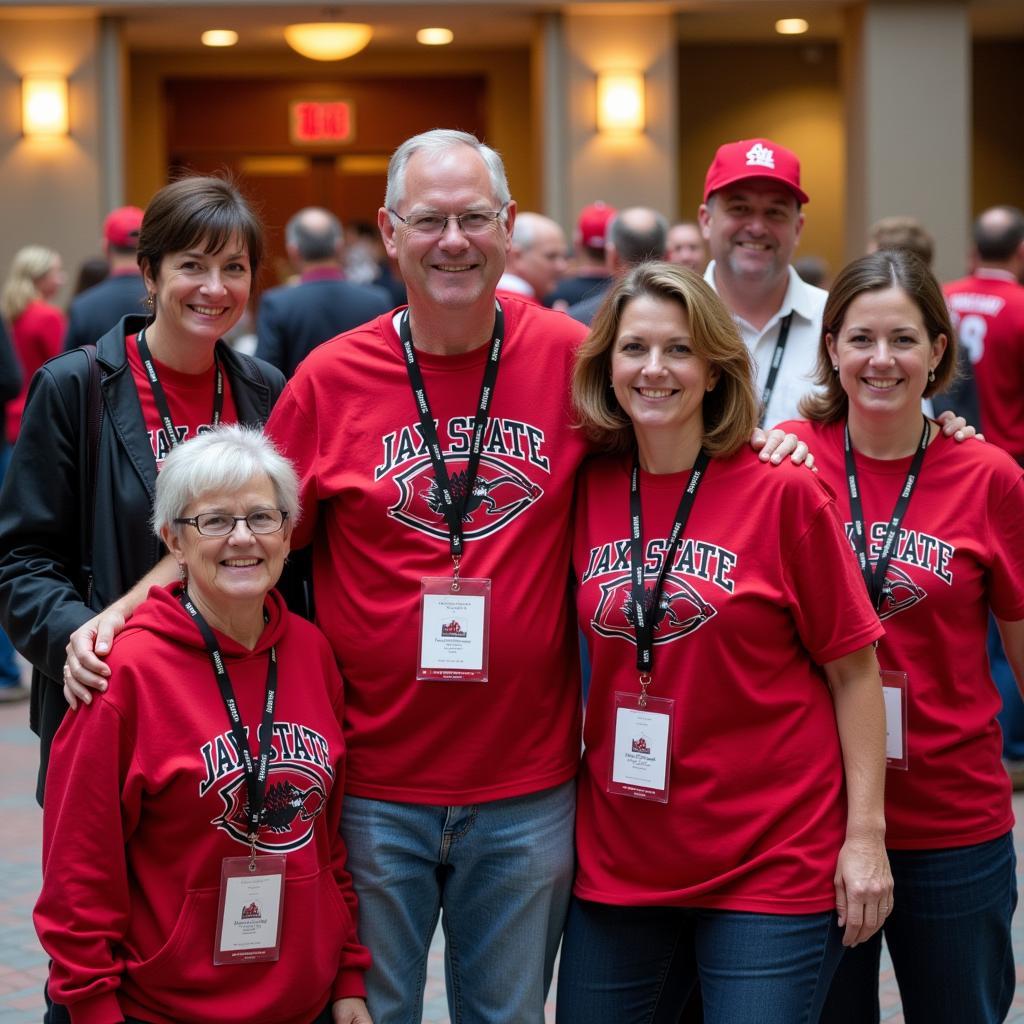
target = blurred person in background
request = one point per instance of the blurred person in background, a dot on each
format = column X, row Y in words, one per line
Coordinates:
column 587, row 274
column 36, row 325
column 121, row 293
column 685, row 246
column 537, row 259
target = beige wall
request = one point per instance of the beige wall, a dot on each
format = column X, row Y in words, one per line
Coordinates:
column 998, row 125
column 50, row 189
column 740, row 92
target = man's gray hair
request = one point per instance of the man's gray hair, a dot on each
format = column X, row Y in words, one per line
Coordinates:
column 639, row 234
column 435, row 143
column 315, row 233
column 225, row 459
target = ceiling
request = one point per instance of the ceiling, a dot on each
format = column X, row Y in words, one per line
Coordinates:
column 162, row 26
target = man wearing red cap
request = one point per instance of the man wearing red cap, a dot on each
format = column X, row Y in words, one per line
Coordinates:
column 751, row 218
column 589, row 245
column 97, row 309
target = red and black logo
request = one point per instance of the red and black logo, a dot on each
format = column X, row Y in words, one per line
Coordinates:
column 899, row 592
column 500, row 493
column 295, row 798
column 681, row 610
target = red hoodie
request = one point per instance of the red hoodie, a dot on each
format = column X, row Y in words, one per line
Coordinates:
column 145, row 799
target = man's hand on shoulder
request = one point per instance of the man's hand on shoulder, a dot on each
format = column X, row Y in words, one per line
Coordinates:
column 957, row 427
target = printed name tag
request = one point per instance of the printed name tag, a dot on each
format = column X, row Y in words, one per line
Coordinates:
column 640, row 752
column 251, row 910
column 894, row 692
column 454, row 628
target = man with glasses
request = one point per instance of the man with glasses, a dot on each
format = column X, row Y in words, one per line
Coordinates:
column 441, row 568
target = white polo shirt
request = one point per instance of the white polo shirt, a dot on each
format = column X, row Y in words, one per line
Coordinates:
column 796, row 372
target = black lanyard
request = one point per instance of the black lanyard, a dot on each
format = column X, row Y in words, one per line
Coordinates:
column 454, row 507
column 647, row 614
column 773, row 370
column 160, row 396
column 875, row 581
column 255, row 776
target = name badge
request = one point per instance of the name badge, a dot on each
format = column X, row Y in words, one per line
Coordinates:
column 251, row 910
column 894, row 692
column 640, row 751
column 454, row 629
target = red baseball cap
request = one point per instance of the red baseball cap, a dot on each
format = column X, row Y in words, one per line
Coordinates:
column 592, row 225
column 121, row 228
column 754, row 158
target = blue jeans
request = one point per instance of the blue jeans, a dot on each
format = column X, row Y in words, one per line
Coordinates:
column 1011, row 715
column 500, row 872
column 949, row 938
column 638, row 965
column 10, row 672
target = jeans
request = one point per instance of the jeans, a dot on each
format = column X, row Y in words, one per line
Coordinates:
column 949, row 938
column 637, row 965
column 1011, row 715
column 499, row 875
column 10, row 672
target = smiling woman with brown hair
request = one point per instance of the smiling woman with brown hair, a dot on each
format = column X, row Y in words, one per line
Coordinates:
column 730, row 795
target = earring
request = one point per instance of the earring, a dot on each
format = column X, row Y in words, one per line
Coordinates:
column 835, row 367
column 931, row 376
column 150, row 302
column 183, row 574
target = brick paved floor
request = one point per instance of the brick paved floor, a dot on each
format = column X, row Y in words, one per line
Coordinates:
column 23, row 965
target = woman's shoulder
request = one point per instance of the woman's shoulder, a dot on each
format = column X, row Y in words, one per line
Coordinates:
column 971, row 460
column 755, row 482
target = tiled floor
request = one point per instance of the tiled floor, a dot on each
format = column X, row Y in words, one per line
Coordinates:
column 23, row 965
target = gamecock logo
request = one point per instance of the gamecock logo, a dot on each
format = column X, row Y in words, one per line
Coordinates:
column 295, row 798
column 681, row 610
column 899, row 592
column 500, row 493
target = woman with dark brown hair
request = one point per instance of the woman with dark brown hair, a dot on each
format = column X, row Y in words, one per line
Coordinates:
column 730, row 794
column 939, row 533
column 76, row 553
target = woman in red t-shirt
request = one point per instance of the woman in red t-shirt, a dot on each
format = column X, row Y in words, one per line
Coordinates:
column 730, row 794
column 940, row 532
column 37, row 327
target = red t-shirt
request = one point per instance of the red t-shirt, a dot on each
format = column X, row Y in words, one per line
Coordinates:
column 988, row 312
column 349, row 422
column 960, row 552
column 189, row 397
column 764, row 591
column 38, row 335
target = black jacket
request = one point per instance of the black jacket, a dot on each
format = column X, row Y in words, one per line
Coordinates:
column 96, row 310
column 294, row 319
column 44, row 593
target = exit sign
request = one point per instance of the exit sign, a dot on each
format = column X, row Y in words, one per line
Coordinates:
column 322, row 121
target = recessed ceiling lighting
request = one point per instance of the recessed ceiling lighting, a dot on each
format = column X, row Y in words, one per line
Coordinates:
column 435, row 36
column 791, row 26
column 219, row 37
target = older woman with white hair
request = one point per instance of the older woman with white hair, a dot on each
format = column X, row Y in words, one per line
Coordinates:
column 193, row 867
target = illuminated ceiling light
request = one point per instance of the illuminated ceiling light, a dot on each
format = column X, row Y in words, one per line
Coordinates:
column 791, row 26
column 219, row 37
column 620, row 102
column 44, row 105
column 328, row 40
column 435, row 36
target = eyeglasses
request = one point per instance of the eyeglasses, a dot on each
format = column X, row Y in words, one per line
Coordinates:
column 219, row 524
column 473, row 222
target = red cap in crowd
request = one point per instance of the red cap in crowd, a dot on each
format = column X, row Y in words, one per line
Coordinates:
column 121, row 228
column 592, row 226
column 754, row 158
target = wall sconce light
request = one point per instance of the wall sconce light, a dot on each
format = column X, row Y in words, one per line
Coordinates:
column 328, row 40
column 620, row 102
column 44, row 105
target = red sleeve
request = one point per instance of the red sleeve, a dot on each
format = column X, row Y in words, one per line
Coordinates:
column 295, row 433
column 1006, row 571
column 829, row 601
column 355, row 957
column 82, row 911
